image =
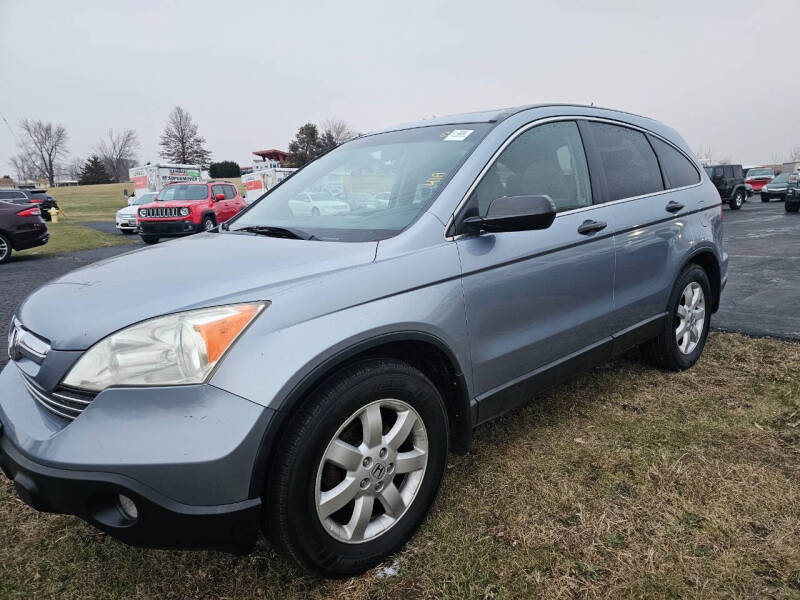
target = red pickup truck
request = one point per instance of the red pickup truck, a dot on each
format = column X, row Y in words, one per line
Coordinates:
column 759, row 177
column 187, row 208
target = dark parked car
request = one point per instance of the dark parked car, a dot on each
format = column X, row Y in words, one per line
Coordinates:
column 775, row 189
column 729, row 181
column 30, row 196
column 21, row 227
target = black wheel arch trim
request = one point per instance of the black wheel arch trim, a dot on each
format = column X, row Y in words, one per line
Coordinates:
column 715, row 277
column 461, row 421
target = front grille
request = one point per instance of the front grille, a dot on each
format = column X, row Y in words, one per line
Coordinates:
column 167, row 211
column 64, row 402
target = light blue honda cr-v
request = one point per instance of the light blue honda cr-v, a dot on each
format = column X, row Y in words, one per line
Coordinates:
column 308, row 371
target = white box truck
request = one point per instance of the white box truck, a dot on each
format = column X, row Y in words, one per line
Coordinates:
column 151, row 178
column 263, row 179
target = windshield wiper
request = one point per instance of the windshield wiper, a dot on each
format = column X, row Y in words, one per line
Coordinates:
column 275, row 231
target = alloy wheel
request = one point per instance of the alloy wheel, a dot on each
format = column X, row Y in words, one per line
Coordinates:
column 691, row 314
column 371, row 471
column 3, row 249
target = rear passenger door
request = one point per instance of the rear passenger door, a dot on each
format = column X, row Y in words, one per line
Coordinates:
column 651, row 233
column 538, row 302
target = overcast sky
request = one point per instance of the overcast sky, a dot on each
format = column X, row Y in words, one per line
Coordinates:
column 725, row 74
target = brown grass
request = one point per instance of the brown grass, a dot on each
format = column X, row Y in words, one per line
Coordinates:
column 626, row 483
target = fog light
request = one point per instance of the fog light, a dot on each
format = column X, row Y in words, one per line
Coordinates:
column 128, row 507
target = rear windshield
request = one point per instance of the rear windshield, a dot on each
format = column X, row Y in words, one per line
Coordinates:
column 144, row 199
column 38, row 194
column 183, row 192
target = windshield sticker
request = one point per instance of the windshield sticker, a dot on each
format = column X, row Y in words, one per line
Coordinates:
column 458, row 135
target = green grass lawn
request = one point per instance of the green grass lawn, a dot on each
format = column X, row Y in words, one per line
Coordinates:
column 80, row 204
column 625, row 483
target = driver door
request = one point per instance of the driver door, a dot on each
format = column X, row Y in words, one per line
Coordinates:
column 538, row 303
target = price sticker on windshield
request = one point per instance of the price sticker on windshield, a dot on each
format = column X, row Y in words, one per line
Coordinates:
column 458, row 135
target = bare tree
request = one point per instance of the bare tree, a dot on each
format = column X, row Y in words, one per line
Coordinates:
column 704, row 154
column 339, row 130
column 43, row 144
column 776, row 158
column 74, row 168
column 24, row 167
column 794, row 154
column 180, row 142
column 118, row 152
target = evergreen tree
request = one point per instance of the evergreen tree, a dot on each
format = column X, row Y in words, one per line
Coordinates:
column 94, row 172
column 306, row 145
column 225, row 168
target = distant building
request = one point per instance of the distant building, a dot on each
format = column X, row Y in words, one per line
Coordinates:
column 277, row 157
column 7, row 182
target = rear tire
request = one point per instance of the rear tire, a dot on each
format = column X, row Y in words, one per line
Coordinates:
column 5, row 248
column 764, row 199
column 149, row 239
column 665, row 351
column 357, row 409
column 792, row 207
column 737, row 200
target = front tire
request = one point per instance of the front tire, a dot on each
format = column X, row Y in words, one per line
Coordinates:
column 150, row 239
column 763, row 199
column 686, row 324
column 357, row 469
column 792, row 207
column 737, row 200
column 208, row 224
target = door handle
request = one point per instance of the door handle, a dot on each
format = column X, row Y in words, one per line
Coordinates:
column 674, row 207
column 588, row 227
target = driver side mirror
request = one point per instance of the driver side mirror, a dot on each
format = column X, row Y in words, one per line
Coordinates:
column 219, row 197
column 513, row 213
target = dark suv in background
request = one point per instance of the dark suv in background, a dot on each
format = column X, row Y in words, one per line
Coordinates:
column 729, row 181
column 30, row 196
column 792, row 204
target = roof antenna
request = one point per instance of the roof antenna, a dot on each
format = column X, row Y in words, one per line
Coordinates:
column 592, row 104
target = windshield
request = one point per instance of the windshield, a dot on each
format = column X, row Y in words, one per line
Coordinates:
column 782, row 178
column 187, row 191
column 370, row 188
column 144, row 199
column 759, row 173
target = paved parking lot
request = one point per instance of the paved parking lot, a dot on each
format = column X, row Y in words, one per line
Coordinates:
column 763, row 292
column 762, row 296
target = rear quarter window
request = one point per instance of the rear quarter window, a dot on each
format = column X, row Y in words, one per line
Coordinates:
column 678, row 170
column 627, row 160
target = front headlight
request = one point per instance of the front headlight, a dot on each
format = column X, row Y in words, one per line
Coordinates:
column 176, row 349
column 184, row 211
column 142, row 212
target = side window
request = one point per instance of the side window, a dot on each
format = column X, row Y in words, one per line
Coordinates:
column 547, row 160
column 678, row 169
column 627, row 160
column 728, row 171
column 737, row 171
column 718, row 172
column 217, row 189
column 6, row 195
column 230, row 192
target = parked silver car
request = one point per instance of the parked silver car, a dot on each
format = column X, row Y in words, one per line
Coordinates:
column 309, row 373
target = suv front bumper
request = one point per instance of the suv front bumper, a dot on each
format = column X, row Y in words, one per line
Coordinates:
column 185, row 456
column 169, row 228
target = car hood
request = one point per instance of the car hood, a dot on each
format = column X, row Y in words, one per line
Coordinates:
column 80, row 308
column 171, row 203
column 127, row 211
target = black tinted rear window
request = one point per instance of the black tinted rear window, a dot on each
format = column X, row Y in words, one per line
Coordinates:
column 628, row 161
column 678, row 170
